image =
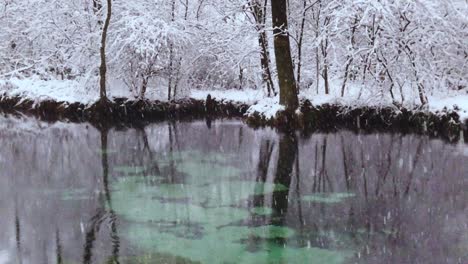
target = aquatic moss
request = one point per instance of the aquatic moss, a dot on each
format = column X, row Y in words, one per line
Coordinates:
column 222, row 246
column 130, row 170
column 327, row 197
column 137, row 204
column 265, row 188
column 216, row 194
column 75, row 195
column 205, row 173
column 153, row 258
column 198, row 220
column 262, row 210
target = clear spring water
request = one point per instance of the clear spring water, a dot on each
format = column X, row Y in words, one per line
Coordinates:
column 225, row 193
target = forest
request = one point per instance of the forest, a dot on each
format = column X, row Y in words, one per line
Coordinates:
column 374, row 52
column 233, row 131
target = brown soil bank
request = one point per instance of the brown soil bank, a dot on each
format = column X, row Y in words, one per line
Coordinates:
column 124, row 112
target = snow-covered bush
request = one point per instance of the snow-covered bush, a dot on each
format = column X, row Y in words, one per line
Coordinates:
column 143, row 48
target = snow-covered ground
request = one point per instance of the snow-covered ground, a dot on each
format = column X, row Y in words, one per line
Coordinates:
column 73, row 91
column 39, row 90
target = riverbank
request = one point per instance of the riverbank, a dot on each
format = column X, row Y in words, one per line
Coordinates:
column 444, row 117
column 308, row 118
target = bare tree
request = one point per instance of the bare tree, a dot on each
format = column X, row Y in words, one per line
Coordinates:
column 259, row 11
column 103, row 67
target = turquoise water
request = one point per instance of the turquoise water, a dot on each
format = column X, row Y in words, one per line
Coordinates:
column 188, row 193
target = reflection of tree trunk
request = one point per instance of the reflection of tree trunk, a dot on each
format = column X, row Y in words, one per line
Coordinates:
column 384, row 174
column 154, row 168
column 241, row 137
column 90, row 238
column 323, row 178
column 286, row 157
column 415, row 162
column 111, row 214
column 363, row 172
column 172, row 142
column 264, row 159
column 101, row 213
column 266, row 149
column 105, row 163
column 345, row 164
column 394, row 180
column 114, row 238
column 58, row 245
column 19, row 251
column 298, row 189
column 314, row 186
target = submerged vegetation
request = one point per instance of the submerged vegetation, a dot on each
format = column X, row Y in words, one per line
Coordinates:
column 207, row 210
column 233, row 195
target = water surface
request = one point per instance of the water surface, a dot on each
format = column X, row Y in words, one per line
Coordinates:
column 224, row 193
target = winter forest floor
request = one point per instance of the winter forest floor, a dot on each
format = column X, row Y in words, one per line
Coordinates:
column 446, row 114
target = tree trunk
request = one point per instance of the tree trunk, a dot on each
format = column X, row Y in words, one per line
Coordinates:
column 259, row 13
column 284, row 65
column 171, row 57
column 350, row 57
column 324, row 47
column 144, row 86
column 265, row 62
column 299, row 44
column 103, row 67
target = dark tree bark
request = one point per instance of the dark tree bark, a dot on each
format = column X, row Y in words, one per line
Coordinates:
column 259, row 13
column 324, row 48
column 287, row 154
column 301, row 40
column 350, row 57
column 171, row 57
column 103, row 67
column 97, row 6
column 284, row 64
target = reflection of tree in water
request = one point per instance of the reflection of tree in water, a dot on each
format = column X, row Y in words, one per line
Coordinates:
column 264, row 159
column 286, row 156
column 409, row 191
column 18, row 234
column 104, row 212
column 321, row 178
column 393, row 187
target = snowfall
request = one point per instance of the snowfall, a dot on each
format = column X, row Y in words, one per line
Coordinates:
column 69, row 91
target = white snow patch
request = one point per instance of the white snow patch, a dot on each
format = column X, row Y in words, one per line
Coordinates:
column 266, row 108
column 357, row 95
column 39, row 90
column 247, row 96
column 454, row 102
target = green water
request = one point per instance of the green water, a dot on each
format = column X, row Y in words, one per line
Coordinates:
column 207, row 211
column 188, row 193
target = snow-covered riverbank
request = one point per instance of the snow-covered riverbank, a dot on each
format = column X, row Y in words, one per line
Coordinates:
column 32, row 93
